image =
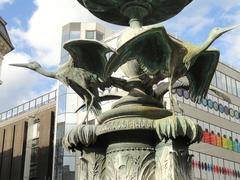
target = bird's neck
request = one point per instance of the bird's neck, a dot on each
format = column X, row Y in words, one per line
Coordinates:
column 194, row 54
column 46, row 73
column 207, row 43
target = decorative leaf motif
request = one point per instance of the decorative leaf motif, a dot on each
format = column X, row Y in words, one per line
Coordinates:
column 170, row 128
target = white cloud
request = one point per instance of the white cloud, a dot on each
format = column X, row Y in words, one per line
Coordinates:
column 191, row 23
column 43, row 41
column 19, row 85
column 197, row 19
column 2, row 2
column 43, row 38
column 45, row 26
column 230, row 49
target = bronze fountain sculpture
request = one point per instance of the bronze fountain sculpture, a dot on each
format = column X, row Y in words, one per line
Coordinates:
column 138, row 139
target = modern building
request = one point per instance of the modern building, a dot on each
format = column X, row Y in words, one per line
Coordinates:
column 69, row 102
column 217, row 157
column 5, row 42
column 26, row 140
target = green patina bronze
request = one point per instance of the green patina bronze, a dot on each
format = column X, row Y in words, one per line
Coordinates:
column 121, row 11
column 138, row 139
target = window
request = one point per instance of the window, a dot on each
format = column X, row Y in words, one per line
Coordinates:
column 62, row 89
column 34, row 150
column 65, row 37
column 65, row 57
column 62, row 104
column 71, row 103
column 36, row 127
column 229, row 85
column 234, row 88
column 238, row 88
column 223, row 79
column 90, row 34
column 75, row 35
column 214, row 82
column 219, row 81
column 99, row 36
column 195, row 165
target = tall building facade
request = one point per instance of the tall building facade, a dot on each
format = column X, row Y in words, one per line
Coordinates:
column 26, row 140
column 68, row 100
column 5, row 42
column 217, row 157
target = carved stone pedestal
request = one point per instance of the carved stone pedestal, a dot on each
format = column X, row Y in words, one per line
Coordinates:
column 129, row 161
column 173, row 161
column 136, row 140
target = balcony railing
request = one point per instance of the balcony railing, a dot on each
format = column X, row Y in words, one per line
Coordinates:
column 29, row 106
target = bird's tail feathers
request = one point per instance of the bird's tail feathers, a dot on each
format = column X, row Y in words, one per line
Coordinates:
column 96, row 108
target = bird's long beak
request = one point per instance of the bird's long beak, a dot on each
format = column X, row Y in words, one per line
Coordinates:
column 20, row 65
column 226, row 29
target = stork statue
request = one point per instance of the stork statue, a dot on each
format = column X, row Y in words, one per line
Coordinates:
column 83, row 72
column 161, row 56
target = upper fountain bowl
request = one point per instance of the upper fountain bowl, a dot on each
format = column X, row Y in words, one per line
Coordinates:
column 121, row 11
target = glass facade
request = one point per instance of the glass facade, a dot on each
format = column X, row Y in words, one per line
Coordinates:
column 226, row 83
column 67, row 103
column 66, row 119
column 99, row 36
column 206, row 166
column 94, row 34
column 90, row 34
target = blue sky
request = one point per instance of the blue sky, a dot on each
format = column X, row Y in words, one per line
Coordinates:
column 35, row 30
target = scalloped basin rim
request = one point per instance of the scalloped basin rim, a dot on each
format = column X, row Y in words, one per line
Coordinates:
column 110, row 10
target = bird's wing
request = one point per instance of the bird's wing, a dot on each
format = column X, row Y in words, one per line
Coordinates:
column 89, row 55
column 201, row 73
column 77, row 88
column 151, row 48
column 82, row 92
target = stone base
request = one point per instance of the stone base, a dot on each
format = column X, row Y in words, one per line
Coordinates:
column 136, row 161
column 173, row 161
column 137, row 140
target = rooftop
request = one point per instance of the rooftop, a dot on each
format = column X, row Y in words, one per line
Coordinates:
column 29, row 106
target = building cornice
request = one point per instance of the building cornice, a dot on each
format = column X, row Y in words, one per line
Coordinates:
column 4, row 35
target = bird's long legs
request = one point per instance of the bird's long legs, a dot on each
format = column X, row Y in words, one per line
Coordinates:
column 85, row 120
column 171, row 98
column 89, row 105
